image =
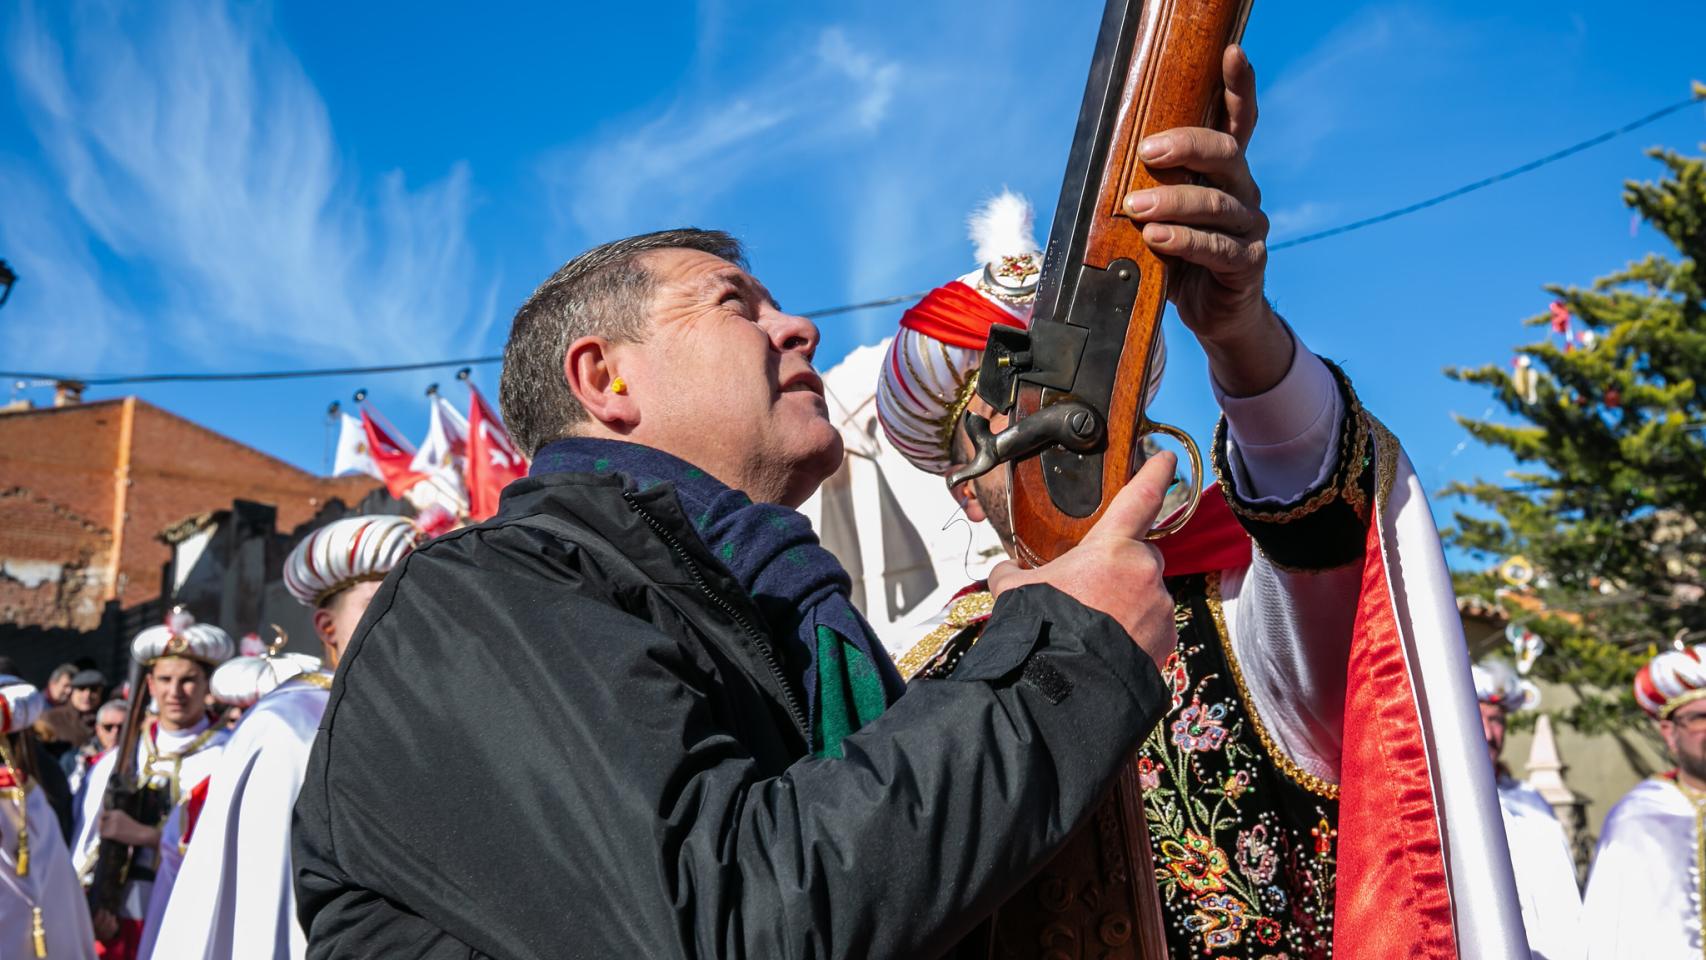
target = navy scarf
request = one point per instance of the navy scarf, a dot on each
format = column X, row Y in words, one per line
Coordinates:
column 799, row 587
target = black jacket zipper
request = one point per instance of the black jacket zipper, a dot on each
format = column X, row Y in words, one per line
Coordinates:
column 758, row 639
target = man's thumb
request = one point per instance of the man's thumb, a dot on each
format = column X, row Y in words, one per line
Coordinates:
column 1134, row 509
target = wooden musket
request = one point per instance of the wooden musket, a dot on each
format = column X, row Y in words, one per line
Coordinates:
column 124, row 792
column 1074, row 383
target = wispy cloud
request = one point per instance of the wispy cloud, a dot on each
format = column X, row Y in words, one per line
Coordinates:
column 79, row 319
column 191, row 148
column 1352, row 69
column 665, row 168
column 1287, row 222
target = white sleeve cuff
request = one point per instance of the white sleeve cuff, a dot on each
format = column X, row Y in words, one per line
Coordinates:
column 1285, row 441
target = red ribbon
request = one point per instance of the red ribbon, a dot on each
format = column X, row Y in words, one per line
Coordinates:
column 1393, row 898
column 957, row 315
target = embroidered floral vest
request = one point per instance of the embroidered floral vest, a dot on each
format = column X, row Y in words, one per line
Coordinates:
column 1244, row 842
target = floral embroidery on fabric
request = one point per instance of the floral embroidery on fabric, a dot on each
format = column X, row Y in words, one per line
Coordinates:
column 1197, row 864
column 1199, row 729
column 1148, row 774
column 1243, row 858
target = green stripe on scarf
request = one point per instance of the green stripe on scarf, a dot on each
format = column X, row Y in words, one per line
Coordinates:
column 850, row 692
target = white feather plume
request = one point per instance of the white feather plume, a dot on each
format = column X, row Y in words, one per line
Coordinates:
column 1002, row 227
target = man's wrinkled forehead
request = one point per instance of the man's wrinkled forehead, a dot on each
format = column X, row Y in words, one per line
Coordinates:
column 695, row 275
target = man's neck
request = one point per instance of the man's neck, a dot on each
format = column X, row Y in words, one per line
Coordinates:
column 1689, row 781
column 172, row 726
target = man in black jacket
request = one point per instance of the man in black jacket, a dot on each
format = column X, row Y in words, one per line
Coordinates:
column 703, row 752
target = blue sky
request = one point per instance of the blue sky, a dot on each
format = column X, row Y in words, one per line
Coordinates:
column 216, row 186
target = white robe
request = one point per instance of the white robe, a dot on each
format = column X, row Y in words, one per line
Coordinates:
column 234, row 898
column 192, row 769
column 1545, row 873
column 51, row 885
column 1643, row 900
column 1291, row 633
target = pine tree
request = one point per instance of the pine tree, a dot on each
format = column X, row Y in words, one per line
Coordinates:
column 1608, row 503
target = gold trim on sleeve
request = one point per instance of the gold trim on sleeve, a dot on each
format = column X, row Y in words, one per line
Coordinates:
column 1281, row 759
column 1343, row 484
column 961, row 614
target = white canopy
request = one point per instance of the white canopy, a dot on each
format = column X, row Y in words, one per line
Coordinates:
column 895, row 528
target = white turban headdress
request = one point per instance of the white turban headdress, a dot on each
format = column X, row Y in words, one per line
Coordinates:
column 20, row 703
column 244, row 680
column 1670, row 680
column 182, row 636
column 930, row 372
column 1497, row 683
column 346, row 552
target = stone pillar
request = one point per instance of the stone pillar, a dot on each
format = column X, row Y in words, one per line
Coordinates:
column 1546, row 775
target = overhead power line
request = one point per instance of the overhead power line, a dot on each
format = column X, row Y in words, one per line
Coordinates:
column 1698, row 96
column 1485, row 182
column 351, row 371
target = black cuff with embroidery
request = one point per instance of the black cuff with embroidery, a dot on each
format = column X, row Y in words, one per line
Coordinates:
column 1326, row 526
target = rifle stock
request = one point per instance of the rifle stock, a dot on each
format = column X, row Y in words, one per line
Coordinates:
column 1088, row 353
column 124, row 792
column 1157, row 66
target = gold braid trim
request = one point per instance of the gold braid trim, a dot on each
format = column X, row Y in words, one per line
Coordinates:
column 316, row 679
column 151, row 756
column 1281, row 759
column 1385, row 459
column 1353, row 453
column 961, row 401
column 961, row 614
column 18, row 794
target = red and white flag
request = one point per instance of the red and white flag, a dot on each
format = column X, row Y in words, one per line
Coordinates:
column 392, row 455
column 493, row 460
column 352, row 457
column 441, row 460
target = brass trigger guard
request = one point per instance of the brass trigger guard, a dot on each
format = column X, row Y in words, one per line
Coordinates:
column 1182, row 516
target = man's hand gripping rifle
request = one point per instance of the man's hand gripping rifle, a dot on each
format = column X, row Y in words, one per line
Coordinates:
column 1074, row 382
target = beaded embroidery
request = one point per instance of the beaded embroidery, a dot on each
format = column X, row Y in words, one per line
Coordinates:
column 1245, row 857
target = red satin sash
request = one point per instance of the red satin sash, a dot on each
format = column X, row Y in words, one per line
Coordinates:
column 1393, row 898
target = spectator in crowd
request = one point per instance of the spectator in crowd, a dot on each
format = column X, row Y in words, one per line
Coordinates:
column 109, row 719
column 58, row 687
column 87, row 689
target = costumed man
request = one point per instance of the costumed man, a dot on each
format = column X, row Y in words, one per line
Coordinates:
column 1540, row 852
column 234, row 899
column 1322, row 745
column 42, row 910
column 175, row 752
column 1644, row 897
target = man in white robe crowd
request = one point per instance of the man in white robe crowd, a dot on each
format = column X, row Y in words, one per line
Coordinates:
column 42, row 910
column 176, row 752
column 1540, row 852
column 1644, row 894
column 234, row 898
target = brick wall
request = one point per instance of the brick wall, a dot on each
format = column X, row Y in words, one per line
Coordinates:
column 60, row 470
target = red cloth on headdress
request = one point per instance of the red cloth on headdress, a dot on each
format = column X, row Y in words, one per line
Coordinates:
column 957, row 315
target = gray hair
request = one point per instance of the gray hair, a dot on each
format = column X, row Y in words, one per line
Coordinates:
column 603, row 292
column 114, row 706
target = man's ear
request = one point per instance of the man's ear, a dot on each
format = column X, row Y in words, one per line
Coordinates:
column 590, row 367
column 966, row 495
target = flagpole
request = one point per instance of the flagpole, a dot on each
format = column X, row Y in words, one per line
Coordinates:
column 384, row 421
column 331, row 421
